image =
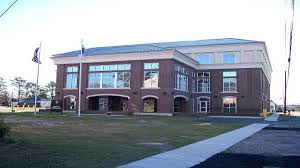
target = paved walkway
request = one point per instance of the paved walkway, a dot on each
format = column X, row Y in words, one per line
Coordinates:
column 193, row 154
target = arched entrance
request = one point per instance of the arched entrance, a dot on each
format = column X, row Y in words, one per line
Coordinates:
column 104, row 103
column 150, row 104
column 70, row 103
column 180, row 104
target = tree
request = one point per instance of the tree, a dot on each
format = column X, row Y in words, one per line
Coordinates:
column 43, row 93
column 3, row 92
column 30, row 88
column 19, row 83
column 50, row 89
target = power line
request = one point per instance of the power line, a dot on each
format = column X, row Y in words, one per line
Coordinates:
column 8, row 8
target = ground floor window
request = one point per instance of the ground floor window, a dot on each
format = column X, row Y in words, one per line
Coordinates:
column 203, row 104
column 150, row 105
column 70, row 103
column 229, row 105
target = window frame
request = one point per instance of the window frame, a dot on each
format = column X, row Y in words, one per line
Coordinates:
column 203, row 77
column 229, row 54
column 198, row 58
column 234, row 77
column 152, row 68
column 110, row 69
column 229, row 108
column 71, row 72
column 181, row 78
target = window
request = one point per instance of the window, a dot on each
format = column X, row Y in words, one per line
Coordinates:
column 123, row 79
column 229, row 58
column 108, row 80
column 71, row 77
column 151, row 79
column 203, row 59
column 151, row 75
column 203, row 82
column 229, row 105
column 181, row 78
column 109, row 67
column 123, row 67
column 151, row 65
column 94, row 80
column 117, row 77
column 229, row 82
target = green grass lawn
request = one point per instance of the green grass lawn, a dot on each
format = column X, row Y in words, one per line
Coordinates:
column 51, row 140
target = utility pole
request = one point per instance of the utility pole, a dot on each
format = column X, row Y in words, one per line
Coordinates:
column 284, row 92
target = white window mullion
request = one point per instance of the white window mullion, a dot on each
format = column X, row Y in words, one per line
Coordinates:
column 115, row 82
column 101, row 80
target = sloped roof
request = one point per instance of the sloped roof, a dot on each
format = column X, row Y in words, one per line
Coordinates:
column 153, row 47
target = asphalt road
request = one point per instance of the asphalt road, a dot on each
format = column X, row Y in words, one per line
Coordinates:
column 277, row 146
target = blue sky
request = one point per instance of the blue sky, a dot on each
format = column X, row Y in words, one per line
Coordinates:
column 60, row 24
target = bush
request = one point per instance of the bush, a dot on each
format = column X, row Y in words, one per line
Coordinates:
column 4, row 129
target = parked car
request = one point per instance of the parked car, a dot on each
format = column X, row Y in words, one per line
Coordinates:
column 279, row 110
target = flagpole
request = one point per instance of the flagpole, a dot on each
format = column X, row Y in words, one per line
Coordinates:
column 37, row 79
column 80, row 73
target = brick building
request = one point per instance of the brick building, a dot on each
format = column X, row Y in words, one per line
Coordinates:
column 215, row 77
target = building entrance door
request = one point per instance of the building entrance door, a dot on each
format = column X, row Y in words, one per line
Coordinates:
column 203, row 106
column 103, row 104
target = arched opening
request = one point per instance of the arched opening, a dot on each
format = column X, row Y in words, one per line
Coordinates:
column 150, row 105
column 180, row 104
column 107, row 103
column 203, row 104
column 70, row 103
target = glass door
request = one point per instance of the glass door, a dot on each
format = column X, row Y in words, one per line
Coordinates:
column 103, row 104
column 203, row 106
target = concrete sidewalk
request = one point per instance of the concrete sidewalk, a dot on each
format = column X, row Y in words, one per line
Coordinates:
column 193, row 154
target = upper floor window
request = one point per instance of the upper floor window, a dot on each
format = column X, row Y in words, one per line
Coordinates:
column 229, row 81
column 71, row 77
column 203, row 59
column 71, row 69
column 229, row 58
column 117, row 77
column 203, row 82
column 151, row 65
column 181, row 78
column 151, row 75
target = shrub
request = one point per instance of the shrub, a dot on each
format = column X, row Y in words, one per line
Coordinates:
column 4, row 129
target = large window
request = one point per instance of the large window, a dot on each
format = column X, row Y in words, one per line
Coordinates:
column 151, row 75
column 229, row 58
column 203, row 82
column 109, row 76
column 229, row 105
column 71, row 77
column 181, row 78
column 229, row 82
column 203, row 59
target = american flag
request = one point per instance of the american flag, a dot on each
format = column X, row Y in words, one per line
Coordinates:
column 35, row 56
